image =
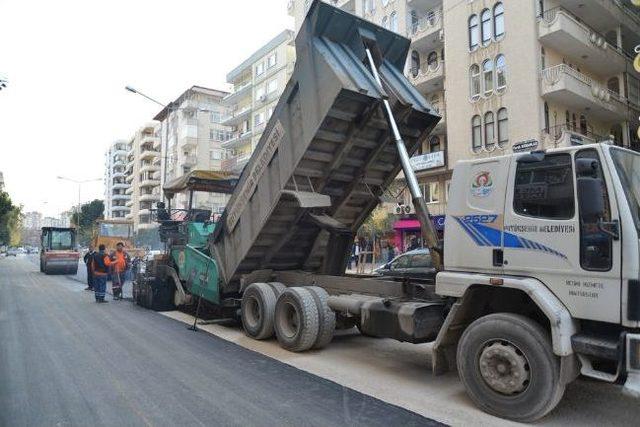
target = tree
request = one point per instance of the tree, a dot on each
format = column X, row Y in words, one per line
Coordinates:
column 10, row 221
column 89, row 213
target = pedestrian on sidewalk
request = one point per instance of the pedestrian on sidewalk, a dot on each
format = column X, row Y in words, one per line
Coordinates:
column 87, row 262
column 100, row 269
column 119, row 262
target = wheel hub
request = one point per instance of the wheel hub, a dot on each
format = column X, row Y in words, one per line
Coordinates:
column 504, row 368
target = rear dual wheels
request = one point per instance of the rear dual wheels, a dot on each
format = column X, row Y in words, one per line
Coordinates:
column 508, row 368
column 299, row 316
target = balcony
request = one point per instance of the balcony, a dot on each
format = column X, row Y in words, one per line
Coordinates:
column 129, row 178
column 151, row 139
column 238, row 140
column 129, row 190
column 149, row 182
column 566, row 86
column 190, row 161
column 120, row 197
column 156, row 175
column 120, row 185
column 240, row 91
column 188, row 142
column 566, row 135
column 144, row 212
column 427, row 30
column 235, row 164
column 429, row 78
column 128, row 216
column 119, row 208
column 156, row 160
column 150, row 167
column 129, row 203
column 149, row 154
column 149, row 197
column 236, row 117
column 560, row 30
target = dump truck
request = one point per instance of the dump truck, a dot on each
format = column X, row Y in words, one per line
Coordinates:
column 538, row 279
column 58, row 251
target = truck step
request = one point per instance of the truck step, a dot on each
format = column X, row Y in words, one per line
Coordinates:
column 596, row 346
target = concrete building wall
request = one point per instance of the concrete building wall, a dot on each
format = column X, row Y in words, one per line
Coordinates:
column 258, row 83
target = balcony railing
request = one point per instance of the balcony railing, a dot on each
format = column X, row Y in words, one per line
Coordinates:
column 431, row 21
column 427, row 72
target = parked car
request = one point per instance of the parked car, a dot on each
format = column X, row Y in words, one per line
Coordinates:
column 413, row 264
column 12, row 252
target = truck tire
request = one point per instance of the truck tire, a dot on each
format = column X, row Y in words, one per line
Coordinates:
column 326, row 316
column 508, row 368
column 257, row 310
column 278, row 288
column 296, row 319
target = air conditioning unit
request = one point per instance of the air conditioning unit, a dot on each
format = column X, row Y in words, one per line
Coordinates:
column 263, row 98
column 402, row 209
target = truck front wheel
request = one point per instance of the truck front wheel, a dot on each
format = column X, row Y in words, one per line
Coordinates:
column 508, row 368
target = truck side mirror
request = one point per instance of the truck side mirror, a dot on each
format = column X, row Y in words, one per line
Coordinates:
column 591, row 198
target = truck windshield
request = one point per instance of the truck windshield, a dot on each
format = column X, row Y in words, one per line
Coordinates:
column 61, row 240
column 115, row 230
column 628, row 167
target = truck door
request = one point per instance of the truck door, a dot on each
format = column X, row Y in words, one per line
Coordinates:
column 473, row 234
column 552, row 234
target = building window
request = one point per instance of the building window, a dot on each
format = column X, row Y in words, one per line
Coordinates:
column 543, row 62
column 486, row 27
column 260, row 69
column 476, row 133
column 212, row 134
column 544, row 189
column 613, row 84
column 503, row 127
column 474, row 80
column 215, row 117
column 574, row 123
column 567, row 119
column 498, row 21
column 415, row 63
column 432, row 60
column 258, row 119
column 546, row 117
column 260, row 92
column 385, row 3
column 473, row 32
column 216, row 155
column 431, row 192
column 487, row 73
column 393, row 21
column 272, row 86
column 489, row 130
column 501, row 78
column 385, row 22
column 434, row 144
column 272, row 60
column 583, row 125
column 369, row 6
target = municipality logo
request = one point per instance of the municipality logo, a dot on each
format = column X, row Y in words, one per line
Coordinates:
column 482, row 184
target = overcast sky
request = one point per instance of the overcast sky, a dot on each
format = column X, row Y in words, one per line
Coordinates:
column 67, row 63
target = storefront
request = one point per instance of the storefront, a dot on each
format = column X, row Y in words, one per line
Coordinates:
column 406, row 229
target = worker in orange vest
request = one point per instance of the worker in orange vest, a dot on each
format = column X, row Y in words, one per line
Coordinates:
column 119, row 263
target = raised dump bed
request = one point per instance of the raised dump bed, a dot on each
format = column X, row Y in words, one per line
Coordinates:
column 326, row 155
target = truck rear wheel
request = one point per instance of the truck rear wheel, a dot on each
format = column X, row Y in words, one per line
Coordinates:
column 326, row 316
column 296, row 319
column 508, row 368
column 257, row 309
column 278, row 288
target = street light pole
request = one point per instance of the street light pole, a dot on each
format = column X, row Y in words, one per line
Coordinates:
column 79, row 183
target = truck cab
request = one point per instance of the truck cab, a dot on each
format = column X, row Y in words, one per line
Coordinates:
column 552, row 235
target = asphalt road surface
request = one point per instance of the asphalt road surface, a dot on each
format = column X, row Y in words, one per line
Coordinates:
column 65, row 360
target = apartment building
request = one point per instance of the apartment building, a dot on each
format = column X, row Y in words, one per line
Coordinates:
column 191, row 136
column 32, row 220
column 115, row 184
column 142, row 175
column 257, row 83
column 527, row 74
column 1, row 182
